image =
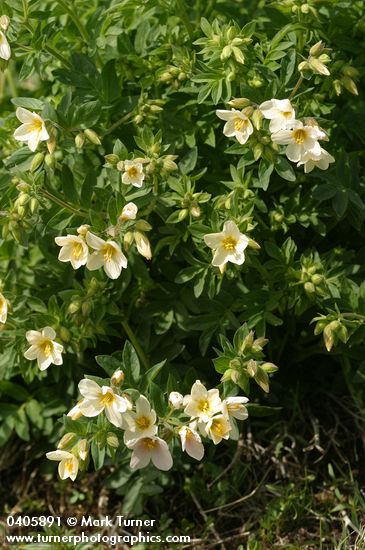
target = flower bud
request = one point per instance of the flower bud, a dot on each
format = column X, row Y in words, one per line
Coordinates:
column 195, row 210
column 251, row 368
column 112, row 440
column 74, row 307
column 33, row 205
column 66, row 441
column 80, row 140
column 350, row 71
column 128, row 239
column 169, row 164
column 120, row 166
column 337, row 87
column 257, row 117
column 129, row 212
column 83, row 449
column 350, row 85
column 49, row 160
column 92, row 136
column 226, row 52
column 238, row 55
column 317, row 279
column 176, row 400
column 142, row 225
column 117, row 377
column 65, row 334
column 75, row 412
column 182, row 214
column 309, row 288
column 111, row 159
column 318, row 66
column 143, row 245
column 37, row 161
column 317, row 49
column 304, row 8
column 4, row 22
column 83, row 229
column 239, row 102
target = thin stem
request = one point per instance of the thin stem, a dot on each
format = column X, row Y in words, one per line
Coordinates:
column 72, row 13
column 295, row 89
column 25, row 9
column 64, row 204
column 353, row 316
column 137, row 346
column 185, row 18
column 118, row 123
column 58, row 56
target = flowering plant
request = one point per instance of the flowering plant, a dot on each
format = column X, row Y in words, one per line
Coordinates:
column 167, row 194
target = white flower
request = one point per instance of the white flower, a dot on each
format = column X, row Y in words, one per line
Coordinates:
column 43, row 348
column 233, row 407
column 107, row 254
column 74, row 249
column 228, row 246
column 280, row 113
column 238, row 125
column 150, row 448
column 76, row 412
column 83, row 449
column 33, row 130
column 191, row 442
column 300, row 140
column 129, row 212
column 202, row 403
column 68, row 466
column 141, row 423
column 176, row 400
column 98, row 399
column 3, row 308
column 143, row 245
column 5, row 51
column 310, row 161
column 133, row 173
column 217, row 428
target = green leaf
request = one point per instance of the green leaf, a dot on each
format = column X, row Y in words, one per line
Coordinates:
column 68, row 185
column 109, row 363
column 284, row 169
column 28, row 103
column 98, row 455
column 131, row 361
column 13, row 390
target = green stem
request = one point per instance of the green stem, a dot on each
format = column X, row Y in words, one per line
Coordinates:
column 295, row 89
column 11, row 82
column 25, row 9
column 64, row 204
column 118, row 123
column 58, row 56
column 141, row 354
column 72, row 13
column 185, row 18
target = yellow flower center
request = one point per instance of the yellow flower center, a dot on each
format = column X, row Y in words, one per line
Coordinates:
column 218, row 428
column 143, row 422
column 36, row 125
column 204, row 406
column 229, row 243
column 239, row 123
column 149, row 443
column 77, row 250
column 299, row 136
column 69, row 465
column 132, row 172
column 287, row 114
column 107, row 399
column 108, row 252
column 47, row 347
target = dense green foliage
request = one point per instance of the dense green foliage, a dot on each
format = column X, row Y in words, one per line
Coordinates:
column 121, row 80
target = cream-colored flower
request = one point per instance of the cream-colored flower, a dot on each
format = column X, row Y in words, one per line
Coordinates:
column 68, row 466
column 141, row 422
column 301, row 139
column 5, row 51
column 3, row 308
column 191, row 442
column 133, row 173
column 237, row 124
column 98, row 399
column 43, row 348
column 83, row 449
column 74, row 250
column 228, row 246
column 129, row 212
column 150, row 448
column 33, row 130
column 176, row 400
column 107, row 254
column 217, row 428
column 280, row 113
column 234, row 408
column 143, row 245
column 202, row 403
column 311, row 161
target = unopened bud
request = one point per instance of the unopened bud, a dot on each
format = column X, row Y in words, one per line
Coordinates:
column 120, row 166
column 75, row 413
column 317, row 49
column 33, row 205
column 239, row 102
column 4, row 22
column 129, row 212
column 112, row 440
column 143, row 245
column 74, row 307
column 92, row 136
column 350, row 85
column 37, row 161
column 66, row 441
column 117, row 377
column 80, row 140
column 65, row 334
column 128, row 239
column 257, row 117
column 111, row 159
column 176, row 400
column 226, row 52
column 195, row 210
column 83, row 229
column 309, row 288
column 83, row 449
column 142, row 225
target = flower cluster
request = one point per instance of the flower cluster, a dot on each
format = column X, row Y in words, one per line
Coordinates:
column 200, row 414
column 301, row 137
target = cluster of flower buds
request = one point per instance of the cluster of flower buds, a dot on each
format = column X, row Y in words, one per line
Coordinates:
column 316, row 62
